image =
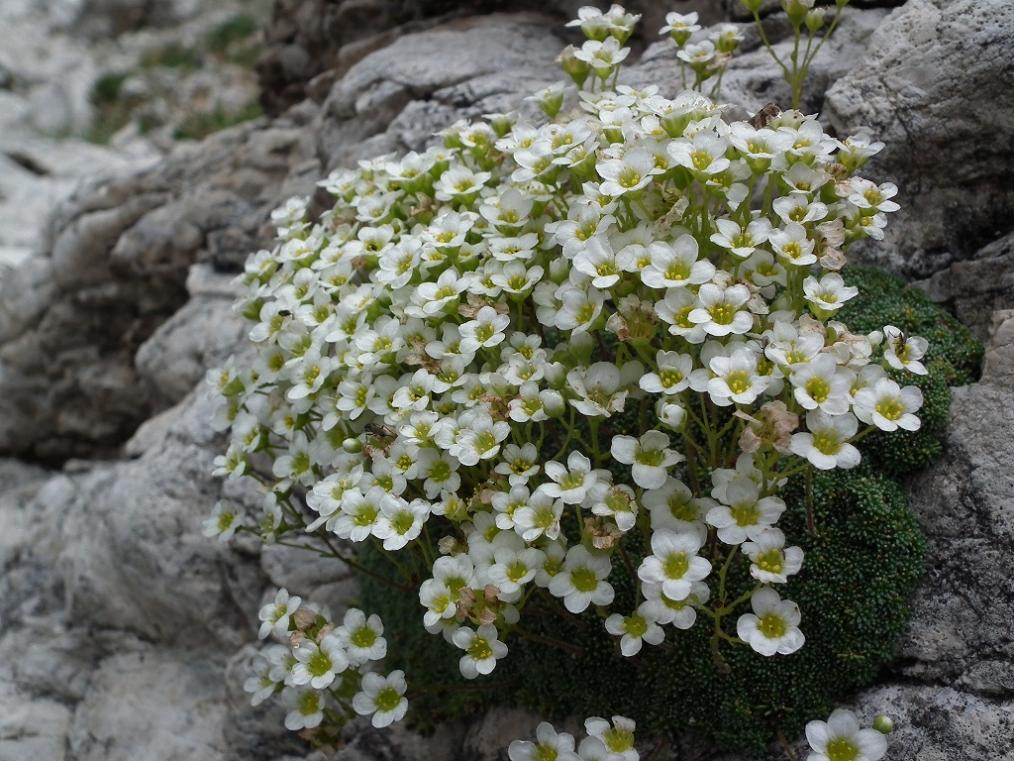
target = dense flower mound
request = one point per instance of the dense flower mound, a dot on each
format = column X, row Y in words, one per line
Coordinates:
column 568, row 381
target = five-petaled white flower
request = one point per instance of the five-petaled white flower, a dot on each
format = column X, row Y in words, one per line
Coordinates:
column 773, row 627
column 840, row 738
column 382, row 698
column 649, row 457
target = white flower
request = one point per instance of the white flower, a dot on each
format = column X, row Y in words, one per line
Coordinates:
column 318, row 665
column 736, row 379
column 676, row 265
column 673, row 373
column 649, row 456
column 673, row 507
column 274, row 616
column 634, row 630
column 888, row 406
column 602, row 56
column 820, row 384
column 674, row 563
column 362, row 637
column 481, row 441
column 871, row 197
column 705, row 154
column 571, row 483
column 382, row 698
column 482, row 650
column 617, row 502
column 609, row 741
column 513, row 568
column 223, row 522
column 680, row 26
column 679, row 613
column 698, row 54
column 739, row 241
column 904, row 353
column 829, row 293
column 626, row 174
column 745, row 514
column 800, row 209
column 601, row 388
column 550, row 744
column 539, row 517
column 773, row 626
column 841, row 739
column 400, row 522
column 720, row 311
column 675, row 309
column 485, row 331
column 825, row 443
column 598, row 261
column 582, row 581
column 459, row 182
column 306, row 708
column 518, row 463
column 771, row 561
column 793, row 245
column 360, row 513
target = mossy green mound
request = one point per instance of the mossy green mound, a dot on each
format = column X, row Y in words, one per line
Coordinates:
column 861, row 567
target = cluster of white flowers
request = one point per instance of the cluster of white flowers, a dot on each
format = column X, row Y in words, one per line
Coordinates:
column 840, row 738
column 320, row 668
column 540, row 352
column 605, row 741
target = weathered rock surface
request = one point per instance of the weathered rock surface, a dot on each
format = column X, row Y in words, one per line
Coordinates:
column 976, row 287
column 115, row 269
column 124, row 633
column 935, row 86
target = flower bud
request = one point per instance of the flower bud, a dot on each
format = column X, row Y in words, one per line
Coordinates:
column 670, row 414
column 752, row 5
column 883, row 724
column 575, row 68
column 551, row 102
column 352, row 446
column 797, row 10
column 501, row 123
column 552, row 403
column 815, row 20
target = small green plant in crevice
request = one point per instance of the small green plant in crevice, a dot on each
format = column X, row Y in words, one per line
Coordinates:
column 199, row 124
column 807, row 22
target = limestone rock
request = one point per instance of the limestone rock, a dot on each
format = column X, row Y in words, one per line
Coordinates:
column 150, row 704
column 935, row 87
column 114, row 271
column 975, row 288
column 133, row 553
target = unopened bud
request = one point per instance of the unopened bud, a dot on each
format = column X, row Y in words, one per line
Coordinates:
column 815, row 20
column 575, row 68
column 883, row 724
column 352, row 446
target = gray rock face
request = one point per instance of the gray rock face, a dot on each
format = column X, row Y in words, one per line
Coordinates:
column 935, row 86
column 125, row 634
column 115, row 269
column 976, row 287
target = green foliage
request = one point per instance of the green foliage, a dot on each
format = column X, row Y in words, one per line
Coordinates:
column 107, row 88
column 200, row 124
column 172, row 56
column 235, row 29
column 861, row 567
